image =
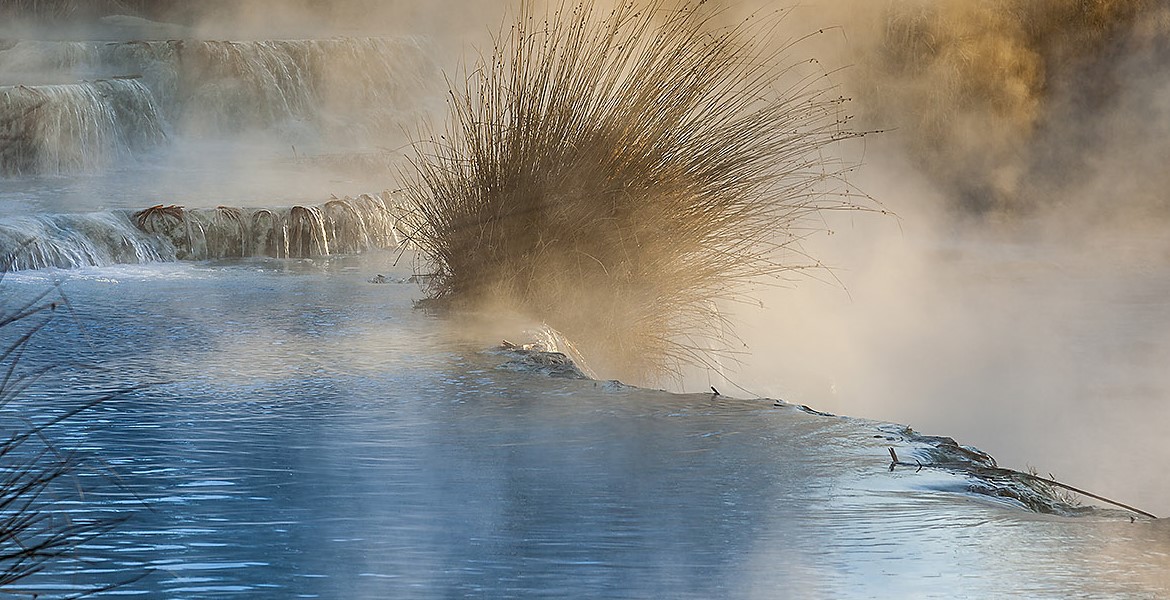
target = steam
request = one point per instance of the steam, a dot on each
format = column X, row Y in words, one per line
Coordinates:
column 1008, row 104
column 243, row 111
column 1017, row 301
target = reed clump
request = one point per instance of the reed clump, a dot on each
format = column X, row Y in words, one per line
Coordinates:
column 37, row 478
column 617, row 172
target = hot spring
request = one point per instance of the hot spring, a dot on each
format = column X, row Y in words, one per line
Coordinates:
column 206, row 203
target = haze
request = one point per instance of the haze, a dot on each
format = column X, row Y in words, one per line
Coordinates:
column 1019, row 300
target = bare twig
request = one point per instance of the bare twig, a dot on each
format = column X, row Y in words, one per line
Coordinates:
column 1009, row 473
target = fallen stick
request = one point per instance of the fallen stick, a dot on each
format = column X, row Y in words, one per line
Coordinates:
column 1010, row 473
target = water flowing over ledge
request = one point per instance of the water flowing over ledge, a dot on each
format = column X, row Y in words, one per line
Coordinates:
column 210, row 87
column 168, row 233
column 66, row 128
column 340, row 226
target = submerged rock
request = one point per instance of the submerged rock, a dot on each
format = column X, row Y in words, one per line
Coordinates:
column 982, row 475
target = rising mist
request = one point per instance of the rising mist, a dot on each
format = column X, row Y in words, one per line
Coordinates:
column 1017, row 300
column 1014, row 301
column 1012, row 105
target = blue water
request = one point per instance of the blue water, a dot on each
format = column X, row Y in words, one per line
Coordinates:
column 308, row 434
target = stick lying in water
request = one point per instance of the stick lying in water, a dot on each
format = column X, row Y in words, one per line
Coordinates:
column 1011, row 473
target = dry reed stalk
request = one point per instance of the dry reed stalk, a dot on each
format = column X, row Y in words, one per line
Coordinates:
column 35, row 532
column 617, row 172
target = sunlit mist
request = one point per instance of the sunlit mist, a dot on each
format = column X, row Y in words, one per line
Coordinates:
column 598, row 298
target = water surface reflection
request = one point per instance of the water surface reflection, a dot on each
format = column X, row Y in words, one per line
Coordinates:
column 309, row 435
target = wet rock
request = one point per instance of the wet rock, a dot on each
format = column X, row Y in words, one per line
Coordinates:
column 534, row 358
column 983, row 476
column 812, row 411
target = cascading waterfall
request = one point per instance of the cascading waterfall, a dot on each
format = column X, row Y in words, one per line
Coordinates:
column 166, row 233
column 66, row 128
column 345, row 86
column 350, row 87
column 77, row 240
column 339, row 226
column 134, row 95
column 32, row 61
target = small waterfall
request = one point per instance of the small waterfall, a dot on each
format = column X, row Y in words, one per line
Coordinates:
column 344, row 226
column 168, row 233
column 30, row 61
column 347, row 86
column 69, row 241
column 69, row 128
column 327, row 84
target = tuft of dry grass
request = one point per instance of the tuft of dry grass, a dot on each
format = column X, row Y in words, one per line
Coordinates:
column 618, row 171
